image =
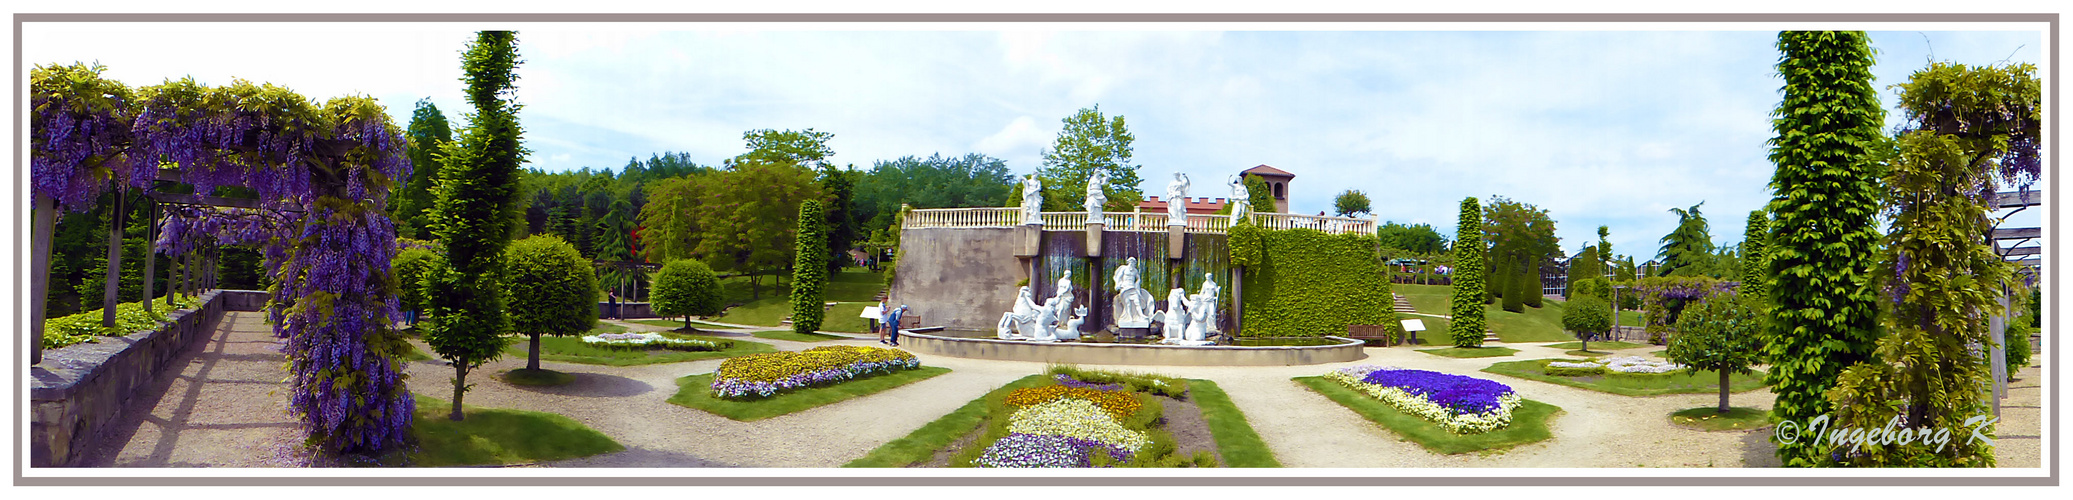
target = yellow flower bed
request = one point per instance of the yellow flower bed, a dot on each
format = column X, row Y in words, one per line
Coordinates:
column 780, row 366
column 1117, row 404
column 1076, row 418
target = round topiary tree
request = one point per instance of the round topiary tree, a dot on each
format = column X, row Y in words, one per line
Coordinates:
column 1722, row 333
column 809, row 269
column 1467, row 326
column 1587, row 315
column 553, row 291
column 686, row 287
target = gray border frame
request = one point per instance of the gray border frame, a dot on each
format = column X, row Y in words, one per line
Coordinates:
column 20, row 228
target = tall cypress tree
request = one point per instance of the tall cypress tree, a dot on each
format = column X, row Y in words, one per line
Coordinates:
column 476, row 213
column 1753, row 273
column 1823, row 240
column 1467, row 325
column 809, row 268
column 428, row 132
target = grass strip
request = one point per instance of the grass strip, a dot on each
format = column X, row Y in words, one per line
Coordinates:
column 678, row 324
column 495, row 436
column 1235, row 439
column 1529, row 421
column 541, row 377
column 1470, row 352
column 1711, row 419
column 573, row 350
column 921, row 445
column 1607, row 344
column 1632, row 384
column 796, row 336
column 695, row 391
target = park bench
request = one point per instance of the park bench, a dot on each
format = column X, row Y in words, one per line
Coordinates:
column 1370, row 334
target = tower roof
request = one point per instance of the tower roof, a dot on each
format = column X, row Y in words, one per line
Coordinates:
column 1266, row 170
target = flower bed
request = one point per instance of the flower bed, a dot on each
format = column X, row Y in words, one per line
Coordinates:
column 1119, row 405
column 764, row 375
column 1064, row 424
column 1460, row 404
column 651, row 340
column 1622, row 364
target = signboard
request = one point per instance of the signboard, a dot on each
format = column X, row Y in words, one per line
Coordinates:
column 1414, row 325
column 872, row 312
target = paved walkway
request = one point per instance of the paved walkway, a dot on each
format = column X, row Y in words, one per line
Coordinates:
column 226, row 408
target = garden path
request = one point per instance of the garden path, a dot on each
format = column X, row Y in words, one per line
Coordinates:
column 220, row 404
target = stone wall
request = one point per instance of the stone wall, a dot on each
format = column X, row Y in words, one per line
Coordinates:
column 632, row 310
column 78, row 390
column 1132, row 354
column 961, row 278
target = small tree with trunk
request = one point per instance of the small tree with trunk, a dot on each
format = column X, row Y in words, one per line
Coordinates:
column 687, row 288
column 1721, row 333
column 1587, row 315
column 554, row 291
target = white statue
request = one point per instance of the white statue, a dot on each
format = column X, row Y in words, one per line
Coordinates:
column 1241, row 201
column 1023, row 319
column 1176, row 320
column 1204, row 308
column 1198, row 320
column 1046, row 322
column 1032, row 200
column 1177, row 200
column 1133, row 307
column 1072, row 328
column 1096, row 197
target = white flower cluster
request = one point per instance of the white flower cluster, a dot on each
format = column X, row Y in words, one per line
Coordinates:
column 1624, row 364
column 647, row 340
column 1074, row 417
column 1447, row 418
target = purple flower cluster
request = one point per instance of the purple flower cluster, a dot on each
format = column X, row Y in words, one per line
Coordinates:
column 1455, row 392
column 736, row 388
column 1068, row 381
column 1020, row 450
column 351, row 398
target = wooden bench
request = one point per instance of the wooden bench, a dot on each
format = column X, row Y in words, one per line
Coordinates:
column 1370, row 334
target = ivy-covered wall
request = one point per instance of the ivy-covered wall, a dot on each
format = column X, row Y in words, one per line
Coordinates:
column 1305, row 283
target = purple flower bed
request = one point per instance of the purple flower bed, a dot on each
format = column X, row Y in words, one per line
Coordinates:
column 1030, row 450
column 1068, row 381
column 1455, row 392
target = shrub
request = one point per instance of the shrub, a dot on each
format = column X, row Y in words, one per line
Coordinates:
column 1723, row 333
column 809, row 269
column 409, row 268
column 1562, row 369
column 1529, row 289
column 686, row 287
column 554, row 290
column 1586, row 315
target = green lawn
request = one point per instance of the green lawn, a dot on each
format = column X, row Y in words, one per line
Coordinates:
column 796, row 337
column 855, row 286
column 1631, row 384
column 921, row 445
column 1610, row 344
column 541, row 377
column 695, row 391
column 1235, row 439
column 1470, row 352
column 494, row 436
column 678, row 323
column 1710, row 419
column 1533, row 325
column 1529, row 421
column 573, row 350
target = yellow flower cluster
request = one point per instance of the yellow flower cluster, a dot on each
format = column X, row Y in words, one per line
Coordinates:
column 1078, row 418
column 776, row 366
column 1118, row 404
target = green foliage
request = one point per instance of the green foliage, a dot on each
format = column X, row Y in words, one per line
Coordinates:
column 1596, row 288
column 130, row 317
column 1529, row 289
column 555, row 287
column 1351, row 202
column 686, row 287
column 1825, row 193
column 1561, row 371
column 1628, row 384
column 809, row 269
column 1514, row 296
column 493, row 436
column 669, row 221
column 842, row 234
column 1258, row 195
column 1149, row 383
column 1688, row 249
column 1418, row 238
column 409, row 267
column 1310, row 284
column 789, row 146
column 1090, row 141
column 1754, row 264
column 1665, row 298
column 1722, row 334
column 1586, row 316
column 747, row 221
column 428, row 133
column 474, row 214
column 1467, row 326
column 1970, row 129
column 972, row 180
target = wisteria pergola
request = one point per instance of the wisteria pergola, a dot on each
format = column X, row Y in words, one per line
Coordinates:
column 322, row 174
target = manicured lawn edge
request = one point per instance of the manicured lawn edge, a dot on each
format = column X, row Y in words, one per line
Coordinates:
column 1531, row 370
column 495, row 436
column 740, row 348
column 1235, row 439
column 1608, row 344
column 796, row 336
column 1475, row 352
column 677, row 323
column 921, row 445
column 1529, row 421
column 695, row 392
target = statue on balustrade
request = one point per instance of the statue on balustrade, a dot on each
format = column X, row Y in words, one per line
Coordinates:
column 1032, row 200
column 1177, row 200
column 1096, row 197
column 1241, row 200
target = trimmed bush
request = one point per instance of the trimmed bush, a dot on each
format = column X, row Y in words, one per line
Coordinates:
column 810, row 269
column 554, row 290
column 686, row 287
column 409, row 268
column 1586, row 315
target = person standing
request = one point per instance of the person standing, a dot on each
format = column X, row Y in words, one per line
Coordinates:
column 892, row 323
column 878, row 323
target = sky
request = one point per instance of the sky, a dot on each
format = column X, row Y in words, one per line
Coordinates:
column 1606, row 128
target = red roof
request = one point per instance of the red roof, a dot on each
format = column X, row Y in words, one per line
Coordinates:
column 1197, row 206
column 1266, row 170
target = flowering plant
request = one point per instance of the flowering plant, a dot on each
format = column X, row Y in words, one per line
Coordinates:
column 1119, row 405
column 1035, row 451
column 766, row 374
column 1068, row 381
column 646, row 340
column 1622, row 364
column 1462, row 405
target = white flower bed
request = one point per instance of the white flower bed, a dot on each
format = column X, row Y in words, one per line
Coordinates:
column 643, row 340
column 1458, row 423
column 1074, row 417
column 1623, row 364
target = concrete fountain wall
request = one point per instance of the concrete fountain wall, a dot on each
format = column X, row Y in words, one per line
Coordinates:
column 964, row 278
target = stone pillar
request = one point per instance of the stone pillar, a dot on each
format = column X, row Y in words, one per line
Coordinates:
column 1176, row 238
column 114, row 284
column 39, row 283
column 150, row 253
column 1997, row 324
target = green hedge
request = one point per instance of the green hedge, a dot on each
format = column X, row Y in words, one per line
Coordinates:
column 1306, row 283
column 810, row 269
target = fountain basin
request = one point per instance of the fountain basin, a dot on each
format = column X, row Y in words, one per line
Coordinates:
column 935, row 341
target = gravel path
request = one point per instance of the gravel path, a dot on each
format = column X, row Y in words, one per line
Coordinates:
column 226, row 407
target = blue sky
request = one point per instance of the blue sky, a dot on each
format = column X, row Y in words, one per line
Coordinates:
column 1600, row 127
